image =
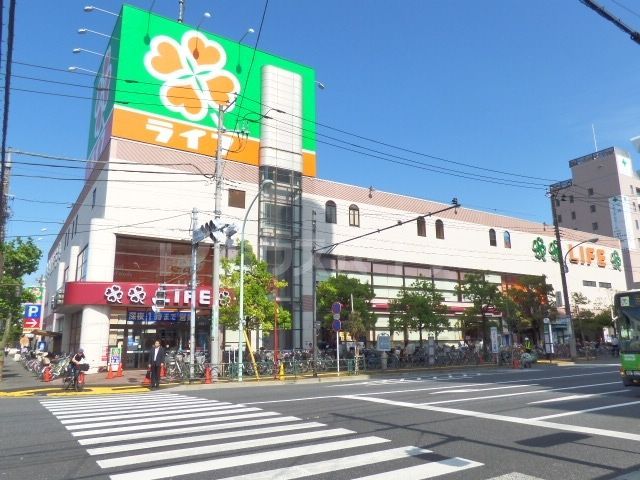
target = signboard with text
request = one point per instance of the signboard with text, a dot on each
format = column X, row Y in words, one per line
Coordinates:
column 163, row 82
column 31, row 317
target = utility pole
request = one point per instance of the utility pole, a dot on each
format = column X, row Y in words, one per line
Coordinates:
column 313, row 286
column 563, row 277
column 194, row 281
column 215, row 295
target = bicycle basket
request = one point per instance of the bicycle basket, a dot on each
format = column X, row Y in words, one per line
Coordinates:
column 83, row 367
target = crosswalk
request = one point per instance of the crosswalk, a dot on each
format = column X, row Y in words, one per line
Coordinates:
column 160, row 435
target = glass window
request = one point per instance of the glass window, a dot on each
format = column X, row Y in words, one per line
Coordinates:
column 637, row 226
column 573, row 215
column 156, row 261
column 354, row 216
column 559, row 218
column 81, row 265
column 387, row 268
column 588, row 283
column 422, row 227
column 330, row 212
column 439, row 229
column 635, row 209
column 592, row 208
column 445, row 274
column 350, row 265
column 570, row 198
column 557, row 202
column 604, row 285
column 492, row 237
column 590, row 191
column 507, row 239
column 236, row 198
column 594, row 225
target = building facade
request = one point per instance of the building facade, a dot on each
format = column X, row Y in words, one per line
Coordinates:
column 151, row 164
column 603, row 197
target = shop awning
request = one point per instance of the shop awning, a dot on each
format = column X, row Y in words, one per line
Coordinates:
column 44, row 333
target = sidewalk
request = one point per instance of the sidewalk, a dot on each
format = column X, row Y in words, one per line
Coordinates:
column 16, row 377
column 17, row 381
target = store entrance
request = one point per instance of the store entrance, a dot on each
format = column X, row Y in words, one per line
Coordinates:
column 171, row 328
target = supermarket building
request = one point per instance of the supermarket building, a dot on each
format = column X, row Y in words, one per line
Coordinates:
column 153, row 133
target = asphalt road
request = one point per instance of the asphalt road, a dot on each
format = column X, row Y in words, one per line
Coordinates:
column 573, row 422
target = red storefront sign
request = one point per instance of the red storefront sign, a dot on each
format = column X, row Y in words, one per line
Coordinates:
column 130, row 294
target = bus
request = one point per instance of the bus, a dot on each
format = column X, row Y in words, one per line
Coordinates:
column 626, row 315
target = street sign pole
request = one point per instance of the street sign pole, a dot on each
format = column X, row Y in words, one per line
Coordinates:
column 338, row 350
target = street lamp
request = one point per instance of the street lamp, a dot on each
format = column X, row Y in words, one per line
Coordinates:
column 80, row 69
column 572, row 340
column 265, row 183
column 591, row 240
column 91, row 8
column 78, row 50
column 82, row 31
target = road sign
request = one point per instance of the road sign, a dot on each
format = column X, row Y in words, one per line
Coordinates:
column 383, row 343
column 30, row 323
column 337, row 325
column 31, row 317
column 336, row 307
column 336, row 316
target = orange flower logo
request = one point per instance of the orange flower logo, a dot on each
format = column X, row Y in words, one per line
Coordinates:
column 192, row 74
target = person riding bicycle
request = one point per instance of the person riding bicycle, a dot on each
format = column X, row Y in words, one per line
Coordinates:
column 76, row 360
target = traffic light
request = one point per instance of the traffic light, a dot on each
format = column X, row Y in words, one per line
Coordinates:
column 218, row 231
column 160, row 300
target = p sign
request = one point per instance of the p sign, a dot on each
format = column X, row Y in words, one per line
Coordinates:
column 32, row 313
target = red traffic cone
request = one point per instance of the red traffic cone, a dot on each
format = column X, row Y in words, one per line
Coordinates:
column 120, row 370
column 207, row 374
column 163, row 371
column 110, row 374
column 47, row 375
column 147, row 378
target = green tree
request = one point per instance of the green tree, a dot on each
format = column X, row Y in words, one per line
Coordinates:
column 581, row 314
column 357, row 317
column 511, row 314
column 534, row 298
column 484, row 296
column 260, row 287
column 419, row 307
column 19, row 258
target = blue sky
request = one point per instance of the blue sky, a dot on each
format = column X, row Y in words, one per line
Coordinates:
column 483, row 86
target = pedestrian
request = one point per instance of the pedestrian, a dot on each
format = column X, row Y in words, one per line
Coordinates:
column 156, row 361
column 615, row 346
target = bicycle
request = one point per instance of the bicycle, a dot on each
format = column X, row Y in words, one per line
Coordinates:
column 74, row 379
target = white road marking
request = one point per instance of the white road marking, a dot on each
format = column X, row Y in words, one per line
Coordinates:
column 250, row 459
column 126, row 447
column 130, row 421
column 595, row 409
column 530, row 392
column 181, row 431
column 515, row 476
column 154, row 413
column 575, row 397
column 532, row 422
column 430, row 470
column 164, row 404
column 472, row 390
column 220, row 448
column 334, row 465
column 193, row 421
column 101, row 400
column 411, row 390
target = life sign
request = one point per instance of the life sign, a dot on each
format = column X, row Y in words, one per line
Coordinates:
column 32, row 313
